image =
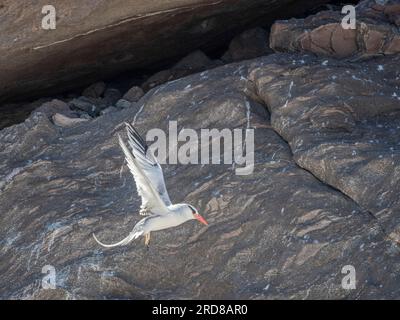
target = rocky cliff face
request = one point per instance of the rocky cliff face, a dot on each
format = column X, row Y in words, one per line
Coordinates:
column 97, row 39
column 323, row 193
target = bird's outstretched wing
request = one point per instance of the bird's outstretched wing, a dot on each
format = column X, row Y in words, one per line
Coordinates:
column 147, row 173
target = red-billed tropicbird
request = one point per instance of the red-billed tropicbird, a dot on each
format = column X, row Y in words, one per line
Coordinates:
column 146, row 170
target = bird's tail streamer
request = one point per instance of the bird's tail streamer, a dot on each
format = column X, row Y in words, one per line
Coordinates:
column 133, row 235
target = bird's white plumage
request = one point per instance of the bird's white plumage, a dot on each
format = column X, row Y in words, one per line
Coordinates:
column 151, row 188
column 148, row 162
column 123, row 242
column 147, row 173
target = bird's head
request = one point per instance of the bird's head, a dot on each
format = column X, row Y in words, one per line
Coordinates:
column 195, row 215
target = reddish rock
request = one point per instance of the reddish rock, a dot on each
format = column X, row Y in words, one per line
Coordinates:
column 394, row 46
column 323, row 34
column 393, row 12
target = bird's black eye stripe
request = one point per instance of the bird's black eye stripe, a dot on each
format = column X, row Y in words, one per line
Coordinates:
column 191, row 208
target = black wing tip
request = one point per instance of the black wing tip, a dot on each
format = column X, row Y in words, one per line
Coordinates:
column 132, row 132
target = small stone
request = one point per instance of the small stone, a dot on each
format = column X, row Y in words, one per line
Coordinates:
column 111, row 96
column 55, row 106
column 197, row 60
column 123, row 104
column 110, row 109
column 95, row 90
column 194, row 62
column 133, row 94
column 66, row 122
column 84, row 104
column 84, row 115
column 248, row 45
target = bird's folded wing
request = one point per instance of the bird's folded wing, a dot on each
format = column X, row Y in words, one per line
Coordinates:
column 147, row 173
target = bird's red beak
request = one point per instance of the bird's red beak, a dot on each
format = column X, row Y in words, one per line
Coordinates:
column 201, row 219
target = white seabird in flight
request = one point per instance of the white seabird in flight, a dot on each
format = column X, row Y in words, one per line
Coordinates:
column 161, row 213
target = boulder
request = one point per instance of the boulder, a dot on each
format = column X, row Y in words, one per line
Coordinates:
column 121, row 103
column 194, row 62
column 95, row 90
column 250, row 44
column 322, row 34
column 90, row 106
column 55, row 106
column 133, row 94
column 111, row 96
column 108, row 110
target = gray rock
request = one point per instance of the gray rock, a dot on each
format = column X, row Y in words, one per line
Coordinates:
column 111, row 96
column 342, row 125
column 55, row 106
column 88, row 105
column 250, row 44
column 84, row 115
column 13, row 113
column 197, row 60
column 133, row 94
column 108, row 110
column 95, row 90
column 194, row 62
column 123, row 104
column 309, row 208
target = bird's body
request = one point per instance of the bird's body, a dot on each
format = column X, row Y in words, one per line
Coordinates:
column 177, row 216
column 156, row 204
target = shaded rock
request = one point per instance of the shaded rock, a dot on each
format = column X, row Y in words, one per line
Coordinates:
column 98, row 41
column 323, row 34
column 280, row 232
column 13, row 113
column 381, row 10
column 55, row 106
column 250, row 44
column 88, row 105
column 161, row 77
column 111, row 96
column 133, row 94
column 123, row 104
column 66, row 122
column 108, row 110
column 195, row 62
column 84, row 115
column 95, row 90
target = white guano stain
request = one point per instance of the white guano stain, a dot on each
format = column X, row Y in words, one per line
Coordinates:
column 289, row 93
